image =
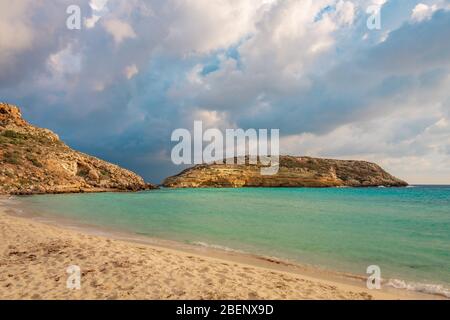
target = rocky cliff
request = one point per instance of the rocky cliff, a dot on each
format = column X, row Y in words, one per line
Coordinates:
column 293, row 172
column 35, row 160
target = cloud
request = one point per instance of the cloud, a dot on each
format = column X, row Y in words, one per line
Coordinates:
column 422, row 12
column 29, row 34
column 308, row 67
column 119, row 30
column 15, row 30
column 98, row 5
column 202, row 26
column 346, row 12
column 130, row 71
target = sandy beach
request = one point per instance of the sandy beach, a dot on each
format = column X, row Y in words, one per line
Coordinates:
column 35, row 256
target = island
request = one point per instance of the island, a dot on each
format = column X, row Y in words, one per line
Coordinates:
column 293, row 172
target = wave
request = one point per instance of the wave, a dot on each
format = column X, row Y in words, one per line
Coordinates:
column 435, row 289
column 10, row 203
column 216, row 246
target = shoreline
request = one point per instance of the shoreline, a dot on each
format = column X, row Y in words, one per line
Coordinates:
column 273, row 278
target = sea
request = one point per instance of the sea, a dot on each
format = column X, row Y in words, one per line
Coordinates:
column 403, row 231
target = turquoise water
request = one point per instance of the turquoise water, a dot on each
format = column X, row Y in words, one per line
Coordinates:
column 405, row 231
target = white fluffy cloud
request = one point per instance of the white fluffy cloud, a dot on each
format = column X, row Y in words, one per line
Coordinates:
column 119, row 30
column 202, row 26
column 16, row 31
column 130, row 71
column 422, row 12
column 290, row 41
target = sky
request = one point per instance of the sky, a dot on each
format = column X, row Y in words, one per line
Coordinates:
column 138, row 69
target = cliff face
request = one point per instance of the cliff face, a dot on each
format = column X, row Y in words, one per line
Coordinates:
column 293, row 172
column 35, row 160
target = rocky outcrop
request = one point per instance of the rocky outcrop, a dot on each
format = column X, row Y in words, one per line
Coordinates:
column 293, row 172
column 34, row 160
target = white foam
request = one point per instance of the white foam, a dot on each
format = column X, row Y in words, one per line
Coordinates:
column 419, row 287
column 216, row 246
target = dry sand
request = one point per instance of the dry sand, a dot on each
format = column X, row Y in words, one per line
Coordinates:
column 35, row 255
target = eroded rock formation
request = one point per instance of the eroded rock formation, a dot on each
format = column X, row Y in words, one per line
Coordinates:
column 293, row 172
column 34, row 160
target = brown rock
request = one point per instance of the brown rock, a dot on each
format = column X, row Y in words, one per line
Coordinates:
column 293, row 172
column 10, row 114
column 93, row 175
column 34, row 160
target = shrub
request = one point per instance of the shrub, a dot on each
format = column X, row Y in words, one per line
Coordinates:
column 9, row 174
column 105, row 174
column 82, row 171
column 3, row 140
column 34, row 161
column 14, row 135
column 12, row 157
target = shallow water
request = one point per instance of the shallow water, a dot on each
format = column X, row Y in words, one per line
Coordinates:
column 405, row 231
